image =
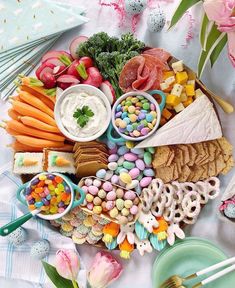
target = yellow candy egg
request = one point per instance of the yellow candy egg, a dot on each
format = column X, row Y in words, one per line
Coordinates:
column 125, row 177
column 113, row 213
column 134, row 100
column 128, row 204
column 97, row 209
column 137, row 112
column 125, row 212
column 130, row 144
column 125, row 108
column 154, row 122
column 89, row 198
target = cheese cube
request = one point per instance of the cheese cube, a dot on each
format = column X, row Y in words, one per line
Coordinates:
column 166, row 113
column 172, row 100
column 177, row 90
column 178, row 108
column 178, row 66
column 181, row 77
column 167, row 74
column 170, row 80
column 191, row 82
column 188, row 102
column 183, row 97
column 164, row 86
column 198, row 93
column 169, row 107
column 189, row 89
column 163, row 121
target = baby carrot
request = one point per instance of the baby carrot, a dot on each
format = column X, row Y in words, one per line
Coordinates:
column 37, row 142
column 18, row 147
column 27, row 110
column 13, row 114
column 25, row 130
column 32, row 122
column 37, row 103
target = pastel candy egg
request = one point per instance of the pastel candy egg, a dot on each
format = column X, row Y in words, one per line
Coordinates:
column 140, row 164
column 101, row 173
column 111, row 145
column 111, row 195
column 114, row 179
column 93, row 190
column 107, row 186
column 113, row 151
column 130, row 157
column 114, row 212
column 130, row 144
column 97, row 201
column 129, row 128
column 110, row 205
column 122, row 220
column 145, row 181
column 120, row 204
column 103, row 205
column 122, row 150
column 131, row 109
column 127, row 120
column 137, row 151
column 128, row 204
column 128, row 165
column 97, row 183
column 129, row 195
column 133, row 118
column 134, row 173
column 133, row 184
column 88, row 182
column 40, row 249
column 149, row 172
column 119, row 107
column 125, row 212
column 97, row 209
column 126, row 178
column 90, row 206
column 102, row 194
column 117, row 121
column 118, row 114
column 121, row 160
column 113, row 158
column 123, row 170
column 119, row 193
column 147, row 158
column 144, row 131
column 134, row 210
column 122, row 124
column 136, row 133
column 108, row 175
column 17, row 237
column 112, row 166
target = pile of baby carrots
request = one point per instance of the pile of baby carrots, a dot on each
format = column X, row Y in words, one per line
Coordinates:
column 32, row 120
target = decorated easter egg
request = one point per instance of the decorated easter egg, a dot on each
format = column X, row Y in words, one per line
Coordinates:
column 229, row 211
column 135, row 6
column 156, row 20
column 17, row 237
column 40, row 249
column 101, row 173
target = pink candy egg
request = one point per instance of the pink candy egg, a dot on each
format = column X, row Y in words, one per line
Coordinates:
column 114, row 179
column 134, row 210
column 93, row 190
column 113, row 158
column 85, row 188
column 97, row 183
column 110, row 205
column 144, row 182
column 130, row 157
column 129, row 195
column 111, row 195
column 90, row 206
column 134, row 173
column 88, row 182
column 107, row 186
column 140, row 164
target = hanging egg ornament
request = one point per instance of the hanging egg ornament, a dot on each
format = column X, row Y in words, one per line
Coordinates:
column 134, row 7
column 156, row 20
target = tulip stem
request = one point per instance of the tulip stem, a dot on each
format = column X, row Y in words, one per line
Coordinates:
column 75, row 284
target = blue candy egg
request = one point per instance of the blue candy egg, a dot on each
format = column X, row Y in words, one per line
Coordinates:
column 101, row 173
column 156, row 20
column 135, row 6
column 40, row 249
column 17, row 237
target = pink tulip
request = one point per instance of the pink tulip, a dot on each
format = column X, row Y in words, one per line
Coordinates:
column 67, row 264
column 104, row 270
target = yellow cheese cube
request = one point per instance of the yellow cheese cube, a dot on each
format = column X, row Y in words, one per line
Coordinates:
column 172, row 100
column 188, row 102
column 164, row 86
column 191, row 82
column 170, row 80
column 181, row 77
column 178, row 66
column 183, row 97
column 177, row 90
column 178, row 108
column 189, row 89
column 198, row 93
column 167, row 74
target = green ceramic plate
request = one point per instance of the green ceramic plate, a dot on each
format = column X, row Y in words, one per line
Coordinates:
column 189, row 256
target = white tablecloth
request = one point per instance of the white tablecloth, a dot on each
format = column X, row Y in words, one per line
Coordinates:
column 221, row 79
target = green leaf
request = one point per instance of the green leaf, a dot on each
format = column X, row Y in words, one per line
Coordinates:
column 55, row 277
column 83, row 115
column 87, row 111
column 203, row 31
column 218, row 49
column 65, row 60
column 213, row 39
column 82, row 71
column 181, row 9
column 77, row 113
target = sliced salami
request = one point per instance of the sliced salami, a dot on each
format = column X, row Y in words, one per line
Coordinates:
column 159, row 53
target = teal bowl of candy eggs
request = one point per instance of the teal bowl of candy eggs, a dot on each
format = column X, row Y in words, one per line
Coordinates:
column 136, row 115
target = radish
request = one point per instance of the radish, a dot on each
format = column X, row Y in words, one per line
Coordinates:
column 72, row 69
column 65, row 81
column 87, row 61
column 55, row 54
column 73, row 47
column 94, row 77
column 58, row 65
column 45, row 67
column 107, row 88
column 49, row 80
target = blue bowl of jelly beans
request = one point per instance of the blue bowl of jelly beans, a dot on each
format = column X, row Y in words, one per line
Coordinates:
column 136, row 115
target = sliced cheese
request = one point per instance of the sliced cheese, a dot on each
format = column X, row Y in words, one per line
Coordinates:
column 196, row 123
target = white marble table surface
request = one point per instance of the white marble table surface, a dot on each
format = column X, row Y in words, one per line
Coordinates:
column 221, row 79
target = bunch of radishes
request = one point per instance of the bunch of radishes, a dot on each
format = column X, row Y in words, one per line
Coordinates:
column 63, row 69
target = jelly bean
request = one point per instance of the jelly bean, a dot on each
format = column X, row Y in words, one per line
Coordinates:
column 39, row 190
column 136, row 133
column 128, row 165
column 53, row 210
column 125, row 212
column 144, row 131
column 46, row 191
column 31, row 201
column 60, row 186
column 131, row 109
column 140, row 164
column 122, row 150
column 120, row 204
column 51, row 187
column 119, row 107
column 139, row 104
column 61, row 210
column 57, row 191
column 67, row 189
column 133, row 118
column 58, row 179
column 122, row 124
column 118, row 115
column 110, row 205
column 50, row 176
column 107, row 186
column 147, row 158
column 108, row 175
column 141, row 116
column 126, row 178
column 150, row 125
column 144, row 182
column 48, row 197
column 93, row 190
column 113, row 151
column 112, row 166
column 134, row 172
column 113, row 158
column 45, row 201
column 129, row 128
column 31, row 207
column 111, row 196
column 137, row 150
column 149, row 172
column 138, row 190
column 121, row 160
column 140, row 176
column 114, row 212
column 152, row 107
column 140, row 127
column 119, row 193
column 146, row 106
column 38, row 204
column 124, row 115
column 129, row 195
column 41, row 184
column 28, row 190
column 111, row 144
column 42, row 177
column 48, row 182
column 35, row 181
column 64, row 196
column 42, row 195
column 130, row 157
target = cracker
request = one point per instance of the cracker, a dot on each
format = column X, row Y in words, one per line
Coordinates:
column 186, row 171
column 205, row 167
column 225, row 145
column 212, row 150
column 229, row 165
column 200, row 152
column 197, row 173
column 211, row 169
column 89, row 168
column 161, row 156
column 205, row 159
column 171, row 156
column 185, row 149
column 220, row 164
column 165, row 173
column 192, row 154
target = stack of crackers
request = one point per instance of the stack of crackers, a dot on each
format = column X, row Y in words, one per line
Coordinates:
column 193, row 162
column 90, row 157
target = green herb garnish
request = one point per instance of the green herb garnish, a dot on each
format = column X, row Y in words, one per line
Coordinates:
column 83, row 115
